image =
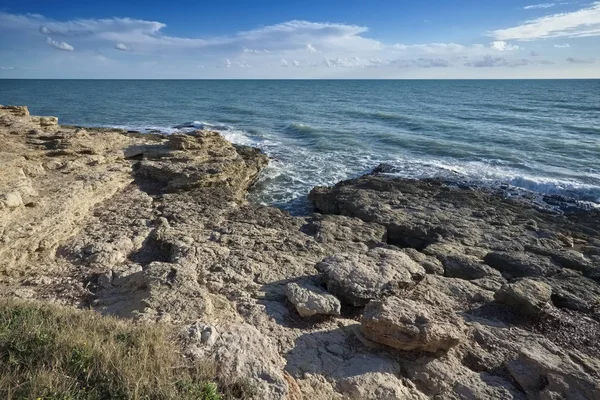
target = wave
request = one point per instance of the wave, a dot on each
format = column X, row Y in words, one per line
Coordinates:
column 202, row 125
column 488, row 175
column 299, row 128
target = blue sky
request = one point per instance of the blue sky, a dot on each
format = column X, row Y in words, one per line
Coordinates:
column 300, row 39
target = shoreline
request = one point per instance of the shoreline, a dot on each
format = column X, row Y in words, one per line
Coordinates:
column 395, row 288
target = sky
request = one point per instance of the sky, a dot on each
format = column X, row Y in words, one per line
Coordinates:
column 290, row 39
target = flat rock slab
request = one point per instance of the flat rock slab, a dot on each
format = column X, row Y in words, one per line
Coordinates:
column 358, row 278
column 406, row 324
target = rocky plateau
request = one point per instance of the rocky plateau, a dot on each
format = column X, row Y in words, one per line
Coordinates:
column 392, row 289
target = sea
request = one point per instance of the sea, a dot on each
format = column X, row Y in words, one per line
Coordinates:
column 539, row 136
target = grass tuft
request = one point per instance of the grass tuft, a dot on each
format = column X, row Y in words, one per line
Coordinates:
column 54, row 353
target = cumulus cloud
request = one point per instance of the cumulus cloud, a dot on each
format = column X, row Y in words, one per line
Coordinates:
column 542, row 5
column 310, row 48
column 122, row 47
column 59, row 45
column 296, row 63
column 580, row 23
column 283, row 62
column 501, row 45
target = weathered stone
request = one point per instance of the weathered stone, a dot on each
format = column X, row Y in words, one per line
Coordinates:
column 244, row 354
column 359, row 278
column 409, row 325
column 518, row 265
column 545, row 372
column 466, row 267
column 12, row 199
column 525, row 295
column 309, row 300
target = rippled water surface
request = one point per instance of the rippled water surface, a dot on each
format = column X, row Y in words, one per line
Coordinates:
column 540, row 135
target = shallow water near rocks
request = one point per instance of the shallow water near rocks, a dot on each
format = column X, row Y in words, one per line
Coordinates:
column 543, row 135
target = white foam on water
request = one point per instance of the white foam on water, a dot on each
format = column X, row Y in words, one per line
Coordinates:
column 295, row 169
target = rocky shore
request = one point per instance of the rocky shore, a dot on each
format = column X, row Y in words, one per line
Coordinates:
column 392, row 289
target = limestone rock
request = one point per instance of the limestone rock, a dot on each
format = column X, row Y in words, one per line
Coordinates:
column 359, row 278
column 466, row 267
column 11, row 200
column 546, row 372
column 525, row 295
column 244, row 354
column 518, row 265
column 406, row 324
column 309, row 300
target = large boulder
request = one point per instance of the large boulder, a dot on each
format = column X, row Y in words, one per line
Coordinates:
column 201, row 159
column 406, row 324
column 526, row 295
column 358, row 278
column 310, row 300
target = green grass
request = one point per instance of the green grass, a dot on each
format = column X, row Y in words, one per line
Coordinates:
column 55, row 353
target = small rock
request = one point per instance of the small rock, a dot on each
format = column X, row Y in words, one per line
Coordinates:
column 310, row 300
column 406, row 324
column 526, row 295
column 203, row 334
column 12, row 200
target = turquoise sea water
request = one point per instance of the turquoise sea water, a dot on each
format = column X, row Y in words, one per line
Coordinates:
column 541, row 135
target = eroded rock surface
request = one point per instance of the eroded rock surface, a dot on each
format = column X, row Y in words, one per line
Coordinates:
column 358, row 278
column 157, row 228
column 406, row 324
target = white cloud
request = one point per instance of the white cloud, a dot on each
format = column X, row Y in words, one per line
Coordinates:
column 501, row 45
column 490, row 61
column 255, row 51
column 421, row 62
column 542, row 5
column 122, row 47
column 315, row 49
column 562, row 46
column 59, row 45
column 6, row 68
column 580, row 23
